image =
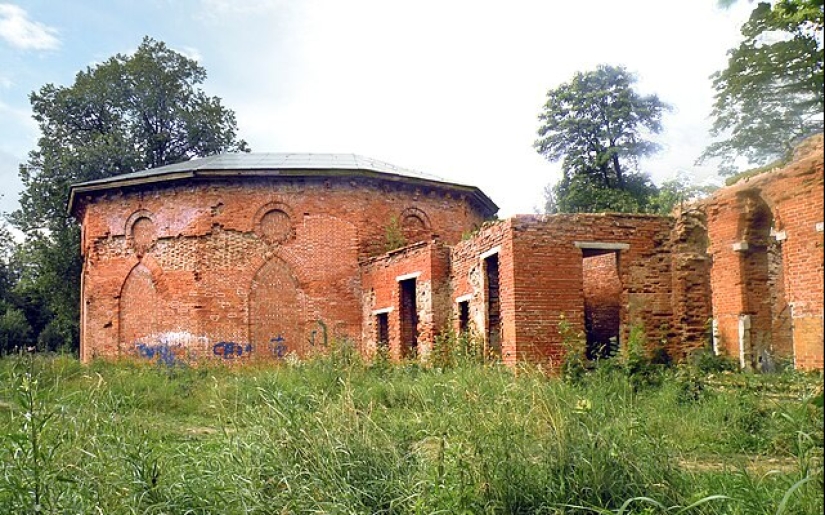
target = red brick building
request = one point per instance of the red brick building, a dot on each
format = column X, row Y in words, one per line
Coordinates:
column 256, row 256
column 249, row 255
column 766, row 243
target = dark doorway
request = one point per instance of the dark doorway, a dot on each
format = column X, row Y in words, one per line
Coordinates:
column 409, row 318
column 382, row 322
column 602, row 293
column 463, row 317
column 491, row 277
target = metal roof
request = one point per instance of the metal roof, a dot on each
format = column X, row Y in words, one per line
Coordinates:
column 275, row 164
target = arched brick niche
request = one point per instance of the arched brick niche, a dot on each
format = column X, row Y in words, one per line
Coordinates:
column 415, row 225
column 275, row 310
column 137, row 308
column 141, row 231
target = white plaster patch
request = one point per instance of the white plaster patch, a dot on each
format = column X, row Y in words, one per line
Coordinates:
column 819, row 226
column 405, row 277
column 492, row 251
column 740, row 246
column 600, row 245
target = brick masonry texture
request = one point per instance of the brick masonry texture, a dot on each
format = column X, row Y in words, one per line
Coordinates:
column 257, row 268
column 243, row 270
column 766, row 244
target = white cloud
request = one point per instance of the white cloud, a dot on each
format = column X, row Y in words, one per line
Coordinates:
column 190, row 52
column 21, row 32
column 218, row 9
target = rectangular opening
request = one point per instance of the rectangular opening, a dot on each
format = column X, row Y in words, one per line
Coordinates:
column 493, row 304
column 463, row 316
column 408, row 314
column 602, row 301
column 382, row 327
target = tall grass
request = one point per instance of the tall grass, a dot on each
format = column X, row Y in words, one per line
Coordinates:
column 337, row 435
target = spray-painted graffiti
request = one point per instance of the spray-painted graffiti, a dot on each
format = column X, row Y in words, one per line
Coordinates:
column 280, row 347
column 183, row 348
column 313, row 335
column 231, row 350
column 164, row 354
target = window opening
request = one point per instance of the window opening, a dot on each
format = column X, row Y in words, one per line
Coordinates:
column 463, row 317
column 382, row 322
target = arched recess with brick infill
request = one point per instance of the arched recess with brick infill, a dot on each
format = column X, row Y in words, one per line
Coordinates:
column 415, row 225
column 765, row 321
column 275, row 311
column 137, row 309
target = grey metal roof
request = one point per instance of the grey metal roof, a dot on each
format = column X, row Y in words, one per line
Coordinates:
column 277, row 164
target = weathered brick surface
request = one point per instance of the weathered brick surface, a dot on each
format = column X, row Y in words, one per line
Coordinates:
column 254, row 268
column 469, row 283
column 767, row 274
column 427, row 263
column 260, row 267
column 549, row 280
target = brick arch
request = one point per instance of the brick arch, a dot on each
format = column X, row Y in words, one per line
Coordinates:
column 137, row 307
column 415, row 225
column 141, row 230
column 275, row 309
column 766, row 325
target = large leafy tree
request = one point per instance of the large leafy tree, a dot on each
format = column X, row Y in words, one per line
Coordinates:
column 129, row 113
column 598, row 126
column 771, row 93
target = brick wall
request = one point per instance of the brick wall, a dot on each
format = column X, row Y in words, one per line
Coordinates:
column 248, row 269
column 469, row 283
column 766, row 242
column 549, row 280
column 425, row 263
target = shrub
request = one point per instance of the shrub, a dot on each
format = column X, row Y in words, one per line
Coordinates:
column 15, row 331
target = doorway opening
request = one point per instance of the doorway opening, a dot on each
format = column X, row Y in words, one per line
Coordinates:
column 409, row 318
column 493, row 304
column 602, row 305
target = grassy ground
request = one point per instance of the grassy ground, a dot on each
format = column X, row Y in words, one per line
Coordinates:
column 336, row 436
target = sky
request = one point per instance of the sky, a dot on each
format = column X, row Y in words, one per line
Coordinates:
column 452, row 88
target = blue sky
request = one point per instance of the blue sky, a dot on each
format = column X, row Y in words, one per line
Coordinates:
column 451, row 88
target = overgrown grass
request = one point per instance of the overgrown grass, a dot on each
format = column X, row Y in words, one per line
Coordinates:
column 335, row 435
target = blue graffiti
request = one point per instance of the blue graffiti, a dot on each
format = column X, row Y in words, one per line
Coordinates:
column 163, row 353
column 280, row 348
column 231, row 350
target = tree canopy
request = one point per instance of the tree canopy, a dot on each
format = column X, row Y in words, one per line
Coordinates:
column 599, row 127
column 128, row 113
column 771, row 92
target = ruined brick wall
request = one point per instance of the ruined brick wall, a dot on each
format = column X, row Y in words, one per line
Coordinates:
column 548, row 281
column 691, row 295
column 766, row 242
column 470, row 284
column 428, row 265
column 251, row 268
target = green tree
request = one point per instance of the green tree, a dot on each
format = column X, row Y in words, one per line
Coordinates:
column 129, row 113
column 599, row 127
column 771, row 93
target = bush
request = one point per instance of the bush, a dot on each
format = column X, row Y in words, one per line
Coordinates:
column 706, row 362
column 15, row 331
